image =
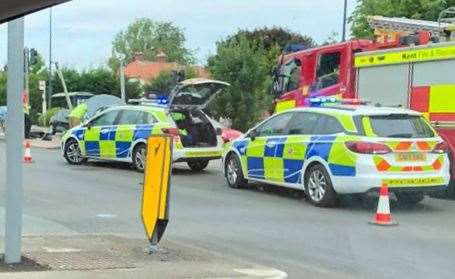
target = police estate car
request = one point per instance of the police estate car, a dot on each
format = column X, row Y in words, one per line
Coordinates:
column 120, row 133
column 341, row 149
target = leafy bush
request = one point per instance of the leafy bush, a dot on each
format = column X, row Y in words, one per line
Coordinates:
column 44, row 119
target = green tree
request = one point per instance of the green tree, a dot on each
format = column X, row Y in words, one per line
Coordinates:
column 167, row 80
column 96, row 81
column 270, row 38
column 415, row 9
column 2, row 88
column 246, row 65
column 148, row 36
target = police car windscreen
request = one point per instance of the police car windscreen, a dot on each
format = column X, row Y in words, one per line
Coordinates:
column 401, row 126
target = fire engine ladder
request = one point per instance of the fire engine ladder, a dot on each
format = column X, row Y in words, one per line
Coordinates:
column 406, row 25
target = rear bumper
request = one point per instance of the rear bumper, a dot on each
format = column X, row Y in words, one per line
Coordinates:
column 196, row 154
column 363, row 184
column 184, row 159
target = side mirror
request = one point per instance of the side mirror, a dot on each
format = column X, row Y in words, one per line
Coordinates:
column 88, row 125
column 253, row 135
column 219, row 131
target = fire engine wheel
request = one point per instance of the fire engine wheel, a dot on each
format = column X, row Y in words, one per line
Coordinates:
column 318, row 187
column 72, row 153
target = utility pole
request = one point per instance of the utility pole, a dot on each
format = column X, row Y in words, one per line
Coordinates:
column 345, row 12
column 122, row 80
column 50, row 59
column 14, row 138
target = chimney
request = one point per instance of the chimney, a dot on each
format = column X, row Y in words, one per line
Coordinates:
column 161, row 57
column 138, row 56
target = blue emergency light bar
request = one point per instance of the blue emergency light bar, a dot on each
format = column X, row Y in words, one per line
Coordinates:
column 320, row 101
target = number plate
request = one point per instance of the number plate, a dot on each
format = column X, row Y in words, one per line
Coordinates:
column 411, row 157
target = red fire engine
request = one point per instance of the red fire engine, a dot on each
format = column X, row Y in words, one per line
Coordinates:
column 407, row 65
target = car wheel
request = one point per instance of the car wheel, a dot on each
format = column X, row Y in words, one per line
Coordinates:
column 318, row 187
column 198, row 165
column 233, row 172
column 140, row 157
column 72, row 153
column 409, row 198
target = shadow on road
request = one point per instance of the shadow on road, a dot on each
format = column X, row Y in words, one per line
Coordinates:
column 348, row 202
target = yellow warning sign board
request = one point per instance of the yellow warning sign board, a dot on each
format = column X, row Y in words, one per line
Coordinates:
column 406, row 56
column 156, row 186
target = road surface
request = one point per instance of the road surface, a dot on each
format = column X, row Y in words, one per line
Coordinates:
column 276, row 229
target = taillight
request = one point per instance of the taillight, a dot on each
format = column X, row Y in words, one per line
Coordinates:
column 367, row 147
column 441, row 147
column 174, row 132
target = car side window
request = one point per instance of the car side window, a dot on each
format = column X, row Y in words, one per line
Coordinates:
column 328, row 125
column 146, row 118
column 129, row 117
column 106, row 119
column 275, row 126
column 303, row 123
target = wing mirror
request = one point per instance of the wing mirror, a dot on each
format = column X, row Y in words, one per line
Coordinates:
column 253, row 134
column 219, row 131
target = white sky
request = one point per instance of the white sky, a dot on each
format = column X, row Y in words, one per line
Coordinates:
column 84, row 29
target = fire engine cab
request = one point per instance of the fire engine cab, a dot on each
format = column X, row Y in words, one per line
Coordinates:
column 411, row 64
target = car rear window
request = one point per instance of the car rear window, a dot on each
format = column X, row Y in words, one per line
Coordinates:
column 401, row 126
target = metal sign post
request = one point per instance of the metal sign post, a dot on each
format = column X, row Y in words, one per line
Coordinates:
column 14, row 138
column 155, row 205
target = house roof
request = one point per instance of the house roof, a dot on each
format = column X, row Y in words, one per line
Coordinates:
column 11, row 9
column 147, row 70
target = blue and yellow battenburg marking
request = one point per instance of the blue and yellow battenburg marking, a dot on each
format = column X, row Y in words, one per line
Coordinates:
column 112, row 141
column 281, row 159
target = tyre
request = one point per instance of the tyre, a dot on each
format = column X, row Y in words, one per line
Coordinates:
column 72, row 153
column 139, row 157
column 233, row 172
column 318, row 187
column 410, row 198
column 198, row 166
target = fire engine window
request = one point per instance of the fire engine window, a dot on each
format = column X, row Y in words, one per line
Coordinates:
column 291, row 75
column 328, row 70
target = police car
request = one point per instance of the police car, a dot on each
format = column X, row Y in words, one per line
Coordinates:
column 341, row 149
column 120, row 133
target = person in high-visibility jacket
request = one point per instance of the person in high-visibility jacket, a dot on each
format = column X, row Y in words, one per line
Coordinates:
column 76, row 116
column 181, row 119
column 27, row 121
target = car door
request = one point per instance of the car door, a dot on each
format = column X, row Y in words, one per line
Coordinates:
column 132, row 125
column 100, row 134
column 265, row 150
column 301, row 128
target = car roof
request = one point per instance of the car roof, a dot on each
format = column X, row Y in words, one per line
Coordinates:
column 151, row 108
column 354, row 110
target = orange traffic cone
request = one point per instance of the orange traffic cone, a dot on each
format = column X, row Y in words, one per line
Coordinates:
column 28, row 154
column 383, row 216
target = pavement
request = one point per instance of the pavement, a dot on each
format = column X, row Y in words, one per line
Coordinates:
column 255, row 230
column 54, row 143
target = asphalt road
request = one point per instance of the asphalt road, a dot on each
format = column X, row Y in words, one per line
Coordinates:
column 276, row 229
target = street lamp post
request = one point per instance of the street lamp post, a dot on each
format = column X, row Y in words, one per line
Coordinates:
column 50, row 59
column 14, row 138
column 345, row 12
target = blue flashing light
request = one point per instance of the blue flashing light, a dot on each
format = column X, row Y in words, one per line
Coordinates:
column 319, row 101
column 163, row 100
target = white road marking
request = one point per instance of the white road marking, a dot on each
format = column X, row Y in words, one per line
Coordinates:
column 106, row 215
column 61, row 250
column 263, row 273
